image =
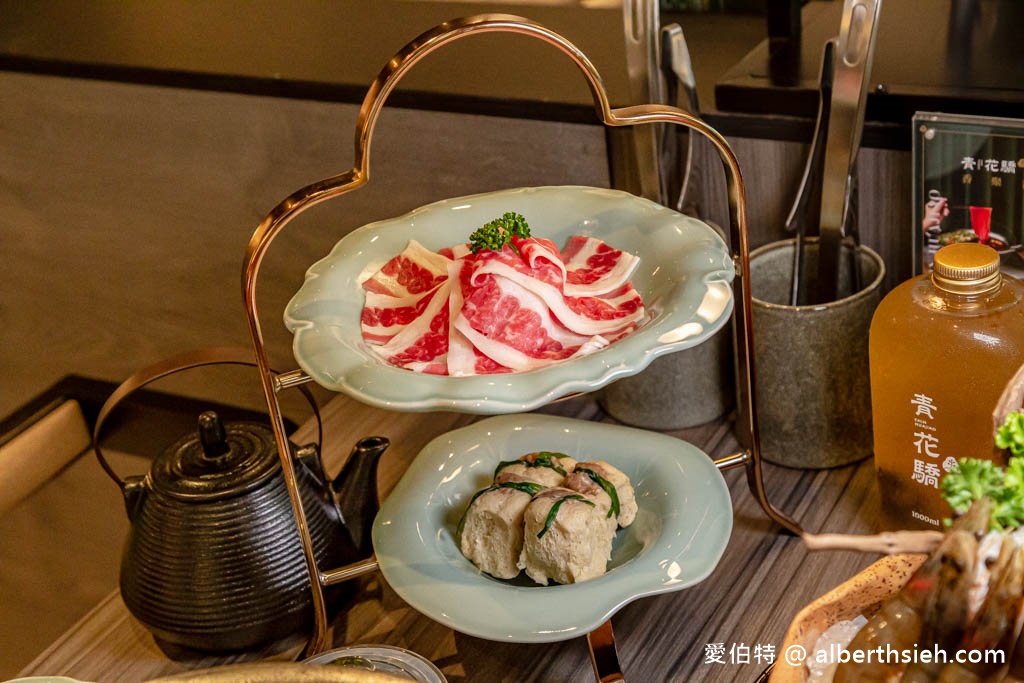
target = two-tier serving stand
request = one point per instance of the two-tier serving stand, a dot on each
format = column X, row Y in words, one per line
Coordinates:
column 273, row 383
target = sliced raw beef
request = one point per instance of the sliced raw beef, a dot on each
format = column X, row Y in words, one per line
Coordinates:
column 588, row 315
column 422, row 345
column 385, row 316
column 463, row 357
column 513, row 326
column 594, row 268
column 519, row 309
column 414, row 271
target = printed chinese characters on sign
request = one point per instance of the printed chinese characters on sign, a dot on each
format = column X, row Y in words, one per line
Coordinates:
column 993, row 166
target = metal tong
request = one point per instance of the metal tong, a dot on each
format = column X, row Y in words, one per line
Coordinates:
column 677, row 70
column 805, row 213
column 659, row 67
column 641, row 168
column 854, row 54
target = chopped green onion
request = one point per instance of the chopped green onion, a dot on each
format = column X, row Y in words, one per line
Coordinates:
column 608, row 487
column 524, row 486
column 543, row 459
column 547, row 459
column 553, row 512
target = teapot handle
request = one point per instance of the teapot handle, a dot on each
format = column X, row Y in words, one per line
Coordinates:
column 211, row 355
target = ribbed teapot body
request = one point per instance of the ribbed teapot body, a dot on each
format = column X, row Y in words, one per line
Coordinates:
column 220, row 571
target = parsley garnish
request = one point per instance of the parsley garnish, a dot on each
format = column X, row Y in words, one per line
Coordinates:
column 1011, row 434
column 495, row 235
column 974, row 479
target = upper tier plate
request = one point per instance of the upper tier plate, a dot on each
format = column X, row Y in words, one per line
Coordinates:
column 684, row 278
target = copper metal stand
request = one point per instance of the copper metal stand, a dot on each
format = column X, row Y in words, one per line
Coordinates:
column 313, row 194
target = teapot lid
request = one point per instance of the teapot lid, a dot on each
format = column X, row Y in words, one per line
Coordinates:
column 217, row 462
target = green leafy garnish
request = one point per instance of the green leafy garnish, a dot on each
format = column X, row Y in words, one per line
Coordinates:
column 974, row 479
column 542, row 459
column 508, row 463
column 553, row 512
column 524, row 486
column 1011, row 434
column 608, row 487
column 495, row 235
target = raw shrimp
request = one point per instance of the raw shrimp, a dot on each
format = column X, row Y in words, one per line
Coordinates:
column 989, row 548
column 897, row 624
column 993, row 627
column 946, row 624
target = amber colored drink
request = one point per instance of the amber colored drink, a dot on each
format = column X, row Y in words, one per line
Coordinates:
column 939, row 362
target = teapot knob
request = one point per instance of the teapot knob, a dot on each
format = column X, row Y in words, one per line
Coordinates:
column 212, row 436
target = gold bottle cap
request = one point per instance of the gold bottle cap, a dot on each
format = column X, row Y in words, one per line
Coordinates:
column 966, row 268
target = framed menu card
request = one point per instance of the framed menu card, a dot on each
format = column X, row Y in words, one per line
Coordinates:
column 968, row 185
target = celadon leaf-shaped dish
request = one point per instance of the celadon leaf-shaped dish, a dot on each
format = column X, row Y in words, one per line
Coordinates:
column 684, row 278
column 680, row 532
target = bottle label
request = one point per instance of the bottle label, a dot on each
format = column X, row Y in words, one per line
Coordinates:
column 929, row 465
column 924, row 518
column 926, row 442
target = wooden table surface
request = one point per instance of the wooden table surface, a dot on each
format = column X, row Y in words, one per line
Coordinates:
column 741, row 611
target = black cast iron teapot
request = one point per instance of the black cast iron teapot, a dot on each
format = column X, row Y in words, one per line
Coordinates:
column 213, row 561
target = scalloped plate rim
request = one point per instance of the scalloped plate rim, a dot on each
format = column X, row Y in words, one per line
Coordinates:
column 363, row 376
column 407, row 565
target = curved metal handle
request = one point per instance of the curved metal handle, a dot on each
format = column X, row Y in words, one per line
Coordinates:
column 184, row 361
column 335, row 186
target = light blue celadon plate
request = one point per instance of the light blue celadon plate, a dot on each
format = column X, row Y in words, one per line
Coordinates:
column 680, row 532
column 683, row 277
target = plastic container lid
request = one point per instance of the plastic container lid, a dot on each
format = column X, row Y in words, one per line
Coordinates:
column 966, row 268
column 385, row 659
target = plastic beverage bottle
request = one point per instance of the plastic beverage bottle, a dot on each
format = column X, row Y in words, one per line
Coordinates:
column 942, row 348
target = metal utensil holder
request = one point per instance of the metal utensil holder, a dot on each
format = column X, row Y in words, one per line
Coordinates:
column 296, row 203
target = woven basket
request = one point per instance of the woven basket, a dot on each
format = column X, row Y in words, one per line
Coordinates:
column 860, row 595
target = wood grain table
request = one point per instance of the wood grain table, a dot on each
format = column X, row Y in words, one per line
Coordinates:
column 724, row 629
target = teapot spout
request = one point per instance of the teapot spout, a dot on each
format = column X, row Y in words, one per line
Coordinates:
column 355, row 489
